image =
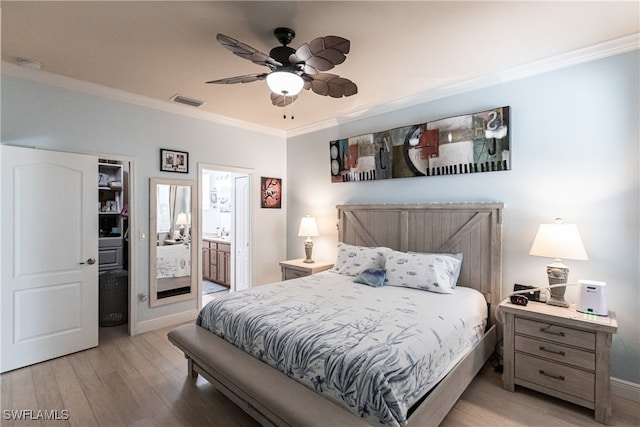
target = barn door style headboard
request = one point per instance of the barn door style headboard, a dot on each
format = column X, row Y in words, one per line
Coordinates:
column 473, row 229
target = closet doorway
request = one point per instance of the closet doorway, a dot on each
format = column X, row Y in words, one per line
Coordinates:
column 225, row 237
column 52, row 287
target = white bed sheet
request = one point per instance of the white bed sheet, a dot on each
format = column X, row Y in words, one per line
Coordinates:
column 374, row 351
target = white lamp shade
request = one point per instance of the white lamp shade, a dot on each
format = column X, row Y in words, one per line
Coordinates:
column 285, row 83
column 561, row 241
column 308, row 227
column 182, row 219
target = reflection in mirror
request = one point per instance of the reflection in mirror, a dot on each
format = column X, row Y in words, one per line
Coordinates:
column 172, row 256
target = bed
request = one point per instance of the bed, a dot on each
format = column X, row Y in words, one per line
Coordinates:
column 173, row 266
column 273, row 398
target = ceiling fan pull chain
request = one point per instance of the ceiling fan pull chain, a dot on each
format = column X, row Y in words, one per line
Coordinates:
column 286, row 106
column 291, row 115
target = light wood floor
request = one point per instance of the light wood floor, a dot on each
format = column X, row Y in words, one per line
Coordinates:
column 142, row 381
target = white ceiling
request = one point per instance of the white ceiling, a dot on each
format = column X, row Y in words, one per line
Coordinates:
column 398, row 49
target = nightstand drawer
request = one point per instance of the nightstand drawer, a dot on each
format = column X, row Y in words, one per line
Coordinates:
column 560, row 353
column 296, row 268
column 294, row 274
column 556, row 333
column 570, row 381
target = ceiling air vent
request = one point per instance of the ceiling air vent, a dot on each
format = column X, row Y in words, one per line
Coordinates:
column 187, row 101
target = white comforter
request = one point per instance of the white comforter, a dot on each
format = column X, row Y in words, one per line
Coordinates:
column 375, row 351
column 173, row 261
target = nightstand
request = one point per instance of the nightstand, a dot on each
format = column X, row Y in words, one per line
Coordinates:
column 560, row 352
column 297, row 268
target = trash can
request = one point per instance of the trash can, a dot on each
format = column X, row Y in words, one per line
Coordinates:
column 113, row 297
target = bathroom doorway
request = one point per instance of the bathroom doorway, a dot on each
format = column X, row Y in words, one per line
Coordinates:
column 225, row 203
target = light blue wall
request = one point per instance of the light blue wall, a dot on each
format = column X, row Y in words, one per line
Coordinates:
column 48, row 117
column 574, row 138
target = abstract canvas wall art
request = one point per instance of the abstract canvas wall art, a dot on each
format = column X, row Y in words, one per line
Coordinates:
column 472, row 143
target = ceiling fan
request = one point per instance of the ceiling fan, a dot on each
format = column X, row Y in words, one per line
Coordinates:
column 295, row 69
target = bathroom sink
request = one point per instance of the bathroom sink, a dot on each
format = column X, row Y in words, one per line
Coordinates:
column 208, row 236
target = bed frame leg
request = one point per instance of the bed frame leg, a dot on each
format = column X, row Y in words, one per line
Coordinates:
column 190, row 371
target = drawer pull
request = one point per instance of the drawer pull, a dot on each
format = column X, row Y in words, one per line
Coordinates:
column 555, row 377
column 546, row 331
column 543, row 348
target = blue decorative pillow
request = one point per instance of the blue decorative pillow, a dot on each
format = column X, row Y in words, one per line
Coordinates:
column 371, row 277
column 429, row 272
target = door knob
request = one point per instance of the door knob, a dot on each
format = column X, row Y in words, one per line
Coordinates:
column 90, row 261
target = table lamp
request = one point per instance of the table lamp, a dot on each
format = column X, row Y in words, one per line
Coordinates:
column 182, row 221
column 308, row 228
column 558, row 241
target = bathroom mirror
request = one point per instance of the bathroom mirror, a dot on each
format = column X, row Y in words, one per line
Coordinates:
column 172, row 252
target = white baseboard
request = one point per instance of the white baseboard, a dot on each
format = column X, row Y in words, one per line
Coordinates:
column 166, row 321
column 625, row 389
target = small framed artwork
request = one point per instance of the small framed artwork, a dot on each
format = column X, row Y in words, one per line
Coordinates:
column 111, row 206
column 174, row 161
column 271, row 193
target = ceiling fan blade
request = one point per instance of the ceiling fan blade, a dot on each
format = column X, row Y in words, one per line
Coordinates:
column 248, row 78
column 245, row 51
column 321, row 54
column 281, row 100
column 330, row 85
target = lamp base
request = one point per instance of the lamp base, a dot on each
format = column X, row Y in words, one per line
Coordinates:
column 557, row 273
column 558, row 300
column 308, row 248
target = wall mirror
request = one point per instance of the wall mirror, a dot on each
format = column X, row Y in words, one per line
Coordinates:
column 173, row 261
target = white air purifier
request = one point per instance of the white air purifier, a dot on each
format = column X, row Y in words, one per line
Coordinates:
column 592, row 298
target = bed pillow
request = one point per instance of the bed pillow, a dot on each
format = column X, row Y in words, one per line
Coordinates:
column 429, row 272
column 352, row 260
column 456, row 256
column 371, row 277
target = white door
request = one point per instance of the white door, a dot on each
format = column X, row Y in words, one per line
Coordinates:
column 49, row 224
column 242, row 227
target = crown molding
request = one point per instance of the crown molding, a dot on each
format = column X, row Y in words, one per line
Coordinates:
column 591, row 53
column 48, row 78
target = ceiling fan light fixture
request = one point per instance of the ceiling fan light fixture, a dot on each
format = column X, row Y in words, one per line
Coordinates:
column 285, row 83
column 294, row 69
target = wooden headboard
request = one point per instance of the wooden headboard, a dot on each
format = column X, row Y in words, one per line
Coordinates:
column 475, row 229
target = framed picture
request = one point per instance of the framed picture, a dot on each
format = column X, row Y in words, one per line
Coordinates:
column 174, row 161
column 271, row 193
column 466, row 144
column 111, row 206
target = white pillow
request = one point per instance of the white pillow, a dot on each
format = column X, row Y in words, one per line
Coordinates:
column 353, row 260
column 457, row 256
column 429, row 272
